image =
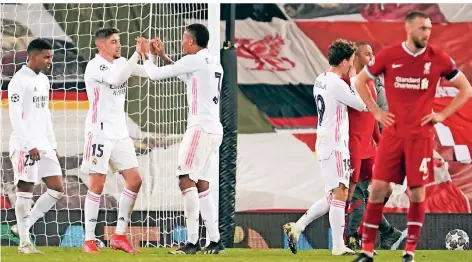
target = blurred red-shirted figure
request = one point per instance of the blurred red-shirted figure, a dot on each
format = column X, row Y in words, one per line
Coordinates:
column 411, row 73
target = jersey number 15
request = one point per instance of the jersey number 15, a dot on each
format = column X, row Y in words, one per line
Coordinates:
column 216, row 99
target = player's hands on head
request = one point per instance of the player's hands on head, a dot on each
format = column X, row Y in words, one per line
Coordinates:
column 34, row 154
column 433, row 118
column 385, row 118
column 157, row 47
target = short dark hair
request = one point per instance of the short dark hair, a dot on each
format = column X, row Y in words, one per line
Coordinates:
column 106, row 32
column 414, row 14
column 359, row 44
column 38, row 45
column 339, row 50
column 200, row 34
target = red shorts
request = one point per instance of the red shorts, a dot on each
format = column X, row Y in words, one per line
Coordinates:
column 399, row 157
column 362, row 169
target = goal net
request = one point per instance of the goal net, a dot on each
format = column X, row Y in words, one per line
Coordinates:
column 157, row 114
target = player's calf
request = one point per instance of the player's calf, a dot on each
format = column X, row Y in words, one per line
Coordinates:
column 127, row 200
column 337, row 220
column 415, row 218
column 189, row 191
column 209, row 214
column 47, row 200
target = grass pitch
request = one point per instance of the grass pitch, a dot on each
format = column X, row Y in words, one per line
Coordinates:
column 56, row 254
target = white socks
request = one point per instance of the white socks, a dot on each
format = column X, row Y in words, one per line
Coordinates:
column 127, row 200
column 318, row 209
column 42, row 205
column 191, row 212
column 209, row 215
column 92, row 204
column 22, row 212
column 337, row 221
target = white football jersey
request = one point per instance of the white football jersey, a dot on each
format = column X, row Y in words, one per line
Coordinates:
column 203, row 75
column 106, row 85
column 332, row 97
column 28, row 104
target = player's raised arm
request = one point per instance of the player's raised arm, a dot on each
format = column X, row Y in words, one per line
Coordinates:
column 107, row 41
column 349, row 97
column 15, row 110
column 155, row 49
column 183, row 66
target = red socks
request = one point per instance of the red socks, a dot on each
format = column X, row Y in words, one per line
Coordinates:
column 372, row 217
column 415, row 219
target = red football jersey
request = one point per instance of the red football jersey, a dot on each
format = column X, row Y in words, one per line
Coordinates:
column 362, row 128
column 410, row 85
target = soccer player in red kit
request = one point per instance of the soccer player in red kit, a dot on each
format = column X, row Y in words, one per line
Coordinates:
column 364, row 135
column 411, row 73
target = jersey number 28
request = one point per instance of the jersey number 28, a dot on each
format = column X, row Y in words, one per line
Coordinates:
column 216, row 99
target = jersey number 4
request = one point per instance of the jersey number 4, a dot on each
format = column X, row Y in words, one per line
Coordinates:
column 216, row 99
column 424, row 165
column 320, row 107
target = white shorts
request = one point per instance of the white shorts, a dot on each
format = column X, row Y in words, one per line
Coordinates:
column 27, row 170
column 197, row 153
column 100, row 153
column 336, row 170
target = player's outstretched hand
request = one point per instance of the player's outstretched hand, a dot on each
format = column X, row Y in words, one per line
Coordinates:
column 157, row 47
column 385, row 118
column 142, row 46
column 433, row 118
column 34, row 154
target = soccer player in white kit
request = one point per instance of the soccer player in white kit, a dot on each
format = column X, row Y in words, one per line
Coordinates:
column 202, row 74
column 32, row 142
column 107, row 136
column 332, row 97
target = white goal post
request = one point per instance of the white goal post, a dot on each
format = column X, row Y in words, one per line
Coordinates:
column 157, row 114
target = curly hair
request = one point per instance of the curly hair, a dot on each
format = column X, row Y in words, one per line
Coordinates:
column 339, row 50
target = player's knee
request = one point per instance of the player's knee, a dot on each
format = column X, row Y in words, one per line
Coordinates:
column 134, row 183
column 96, row 188
column 137, row 182
column 340, row 193
column 379, row 190
column 417, row 194
column 202, row 186
column 185, row 182
column 24, row 186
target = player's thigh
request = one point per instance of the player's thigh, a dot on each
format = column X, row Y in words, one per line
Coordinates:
column 389, row 161
column 419, row 161
column 123, row 155
column 195, row 150
column 367, row 169
column 211, row 170
column 49, row 165
column 97, row 153
column 336, row 170
column 356, row 168
column 24, row 168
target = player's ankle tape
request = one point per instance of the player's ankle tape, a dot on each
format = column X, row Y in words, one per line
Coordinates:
column 55, row 194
